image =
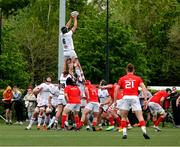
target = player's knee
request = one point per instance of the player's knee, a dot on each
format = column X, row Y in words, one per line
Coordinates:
column 164, row 114
column 57, row 109
column 36, row 110
column 85, row 111
column 68, row 61
column 48, row 110
column 66, row 110
column 42, row 109
column 95, row 114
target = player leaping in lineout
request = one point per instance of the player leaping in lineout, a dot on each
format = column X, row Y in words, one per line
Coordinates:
column 70, row 56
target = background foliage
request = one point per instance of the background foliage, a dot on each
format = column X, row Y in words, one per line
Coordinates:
column 143, row 32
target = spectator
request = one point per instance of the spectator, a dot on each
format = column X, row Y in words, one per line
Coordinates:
column 178, row 102
column 7, row 100
column 18, row 105
column 30, row 102
column 174, row 98
column 178, row 112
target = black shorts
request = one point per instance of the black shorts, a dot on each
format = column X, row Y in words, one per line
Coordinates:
column 8, row 106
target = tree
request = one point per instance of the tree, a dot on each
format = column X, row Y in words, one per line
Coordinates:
column 10, row 7
column 90, row 46
column 152, row 21
column 13, row 67
column 35, row 29
column 143, row 32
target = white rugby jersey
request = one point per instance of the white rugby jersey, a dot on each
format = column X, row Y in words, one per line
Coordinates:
column 55, row 92
column 102, row 94
column 67, row 41
column 46, row 91
column 63, row 79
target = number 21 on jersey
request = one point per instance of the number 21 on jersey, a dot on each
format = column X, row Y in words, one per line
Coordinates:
column 129, row 84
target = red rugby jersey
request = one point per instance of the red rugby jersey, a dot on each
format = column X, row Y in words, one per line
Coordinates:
column 93, row 93
column 156, row 98
column 73, row 93
column 130, row 83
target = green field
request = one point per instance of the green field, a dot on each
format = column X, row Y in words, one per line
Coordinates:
column 18, row 136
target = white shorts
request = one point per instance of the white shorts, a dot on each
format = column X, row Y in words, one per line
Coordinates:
column 93, row 106
column 54, row 102
column 119, row 103
column 105, row 108
column 73, row 107
column 62, row 100
column 70, row 54
column 155, row 108
column 43, row 102
column 83, row 102
column 128, row 102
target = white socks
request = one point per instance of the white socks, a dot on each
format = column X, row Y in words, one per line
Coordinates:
column 143, row 128
column 124, row 131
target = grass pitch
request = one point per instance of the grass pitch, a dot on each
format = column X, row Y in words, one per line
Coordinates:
column 17, row 136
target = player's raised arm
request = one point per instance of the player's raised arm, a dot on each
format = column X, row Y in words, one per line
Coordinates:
column 74, row 15
column 75, row 24
column 69, row 22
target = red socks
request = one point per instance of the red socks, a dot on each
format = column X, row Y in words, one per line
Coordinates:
column 142, row 123
column 160, row 119
column 123, row 124
column 118, row 121
column 111, row 121
column 77, row 122
column 154, row 122
column 94, row 123
column 63, row 119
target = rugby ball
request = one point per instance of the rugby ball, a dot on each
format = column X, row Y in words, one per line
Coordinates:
column 74, row 13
